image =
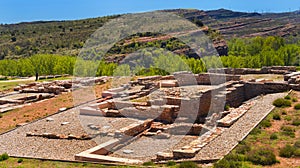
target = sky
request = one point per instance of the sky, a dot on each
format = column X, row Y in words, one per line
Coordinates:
column 15, row 11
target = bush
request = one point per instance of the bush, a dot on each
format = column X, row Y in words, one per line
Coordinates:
column 287, row 151
column 297, row 152
column 242, row 149
column 148, row 164
column 282, row 103
column 284, row 112
column 171, row 163
column 273, row 136
column 288, row 131
column 276, row 116
column 297, row 106
column 296, row 122
column 288, row 118
column 255, row 131
column 288, row 97
column 262, row 157
column 294, row 99
column 227, row 164
column 266, row 123
column 297, row 144
column 4, row 156
column 188, row 165
column 227, row 107
column 20, row 160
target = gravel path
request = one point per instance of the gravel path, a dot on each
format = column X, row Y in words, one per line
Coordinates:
column 227, row 141
column 146, row 148
column 15, row 143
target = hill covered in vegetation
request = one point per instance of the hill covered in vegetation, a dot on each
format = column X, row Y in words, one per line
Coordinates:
column 68, row 37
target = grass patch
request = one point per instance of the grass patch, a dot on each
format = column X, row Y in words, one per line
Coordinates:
column 287, row 151
column 297, row 106
column 288, row 131
column 297, row 144
column 255, row 131
column 262, row 156
column 288, row 97
column 242, row 148
column 188, row 165
column 296, row 122
column 294, row 99
column 282, row 103
column 266, row 123
column 288, row 118
column 149, row 164
column 273, row 136
column 276, row 116
column 171, row 163
column 4, row 86
column 283, row 112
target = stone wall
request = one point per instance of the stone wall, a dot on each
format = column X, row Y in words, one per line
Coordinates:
column 215, row 79
column 264, row 70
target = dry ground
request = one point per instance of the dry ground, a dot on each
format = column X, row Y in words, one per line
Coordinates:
column 40, row 109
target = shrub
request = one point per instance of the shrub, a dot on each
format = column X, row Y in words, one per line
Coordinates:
column 288, row 118
column 287, row 151
column 284, row 112
column 1, row 115
column 4, row 156
column 297, row 144
column 20, row 160
column 227, row 107
column 297, row 106
column 255, row 131
column 296, row 122
column 276, row 116
column 242, row 149
column 227, row 164
column 288, row 131
column 262, row 157
column 297, row 152
column 148, row 164
column 282, row 103
column 266, row 123
column 294, row 99
column 171, row 163
column 188, row 165
column 273, row 136
column 288, row 97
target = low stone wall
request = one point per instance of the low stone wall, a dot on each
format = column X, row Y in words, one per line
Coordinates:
column 215, row 79
column 264, row 70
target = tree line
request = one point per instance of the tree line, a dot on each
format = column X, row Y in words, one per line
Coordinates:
column 257, row 52
column 243, row 53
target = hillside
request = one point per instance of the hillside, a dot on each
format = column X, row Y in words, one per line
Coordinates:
column 68, row 37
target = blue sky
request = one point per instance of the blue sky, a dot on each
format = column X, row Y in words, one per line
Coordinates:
column 13, row 11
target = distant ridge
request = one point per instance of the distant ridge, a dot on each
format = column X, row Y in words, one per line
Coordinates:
column 68, row 37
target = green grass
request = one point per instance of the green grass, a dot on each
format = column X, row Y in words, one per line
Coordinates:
column 53, row 79
column 13, row 162
column 10, row 85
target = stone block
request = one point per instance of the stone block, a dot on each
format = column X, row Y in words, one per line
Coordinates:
column 91, row 111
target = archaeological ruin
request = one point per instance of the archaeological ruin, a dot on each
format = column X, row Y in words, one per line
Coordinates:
column 184, row 116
